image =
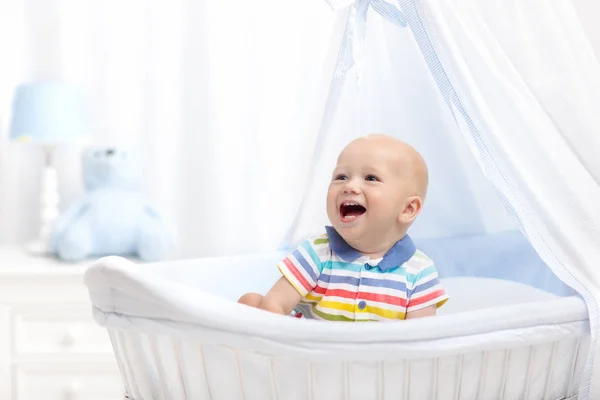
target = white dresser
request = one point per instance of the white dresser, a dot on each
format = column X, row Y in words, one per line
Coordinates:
column 50, row 347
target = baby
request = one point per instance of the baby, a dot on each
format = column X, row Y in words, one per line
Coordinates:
column 366, row 267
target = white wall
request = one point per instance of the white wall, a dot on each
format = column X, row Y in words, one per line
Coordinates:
column 214, row 93
column 589, row 11
column 20, row 166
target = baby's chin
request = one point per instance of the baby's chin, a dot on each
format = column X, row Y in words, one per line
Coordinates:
column 350, row 232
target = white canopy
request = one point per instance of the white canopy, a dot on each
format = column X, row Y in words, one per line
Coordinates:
column 503, row 101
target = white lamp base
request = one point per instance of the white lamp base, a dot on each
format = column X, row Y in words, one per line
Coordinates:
column 39, row 247
column 48, row 208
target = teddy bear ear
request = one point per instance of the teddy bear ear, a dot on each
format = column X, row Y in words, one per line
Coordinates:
column 95, row 152
column 89, row 152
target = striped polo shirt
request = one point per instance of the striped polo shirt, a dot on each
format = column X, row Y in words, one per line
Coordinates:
column 339, row 283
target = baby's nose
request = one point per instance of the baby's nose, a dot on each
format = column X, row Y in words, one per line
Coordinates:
column 351, row 188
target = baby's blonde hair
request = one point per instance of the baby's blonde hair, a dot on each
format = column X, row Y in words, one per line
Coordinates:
column 412, row 160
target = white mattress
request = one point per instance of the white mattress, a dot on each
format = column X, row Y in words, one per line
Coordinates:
column 470, row 294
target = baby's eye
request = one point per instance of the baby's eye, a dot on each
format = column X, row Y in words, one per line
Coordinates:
column 341, row 177
column 371, row 178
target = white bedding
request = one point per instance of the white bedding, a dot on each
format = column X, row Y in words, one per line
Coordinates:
column 470, row 293
column 174, row 293
column 489, row 325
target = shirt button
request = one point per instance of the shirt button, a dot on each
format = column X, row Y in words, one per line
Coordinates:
column 368, row 267
column 362, row 305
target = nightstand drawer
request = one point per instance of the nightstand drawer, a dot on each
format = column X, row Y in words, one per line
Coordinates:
column 57, row 330
column 67, row 382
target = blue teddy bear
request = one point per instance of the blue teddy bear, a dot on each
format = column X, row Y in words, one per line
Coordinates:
column 113, row 218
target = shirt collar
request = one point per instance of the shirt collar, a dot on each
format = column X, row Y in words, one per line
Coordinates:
column 400, row 252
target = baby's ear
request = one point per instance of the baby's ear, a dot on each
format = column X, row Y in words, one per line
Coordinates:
column 412, row 208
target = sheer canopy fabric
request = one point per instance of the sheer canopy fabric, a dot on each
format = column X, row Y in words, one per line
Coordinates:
column 502, row 100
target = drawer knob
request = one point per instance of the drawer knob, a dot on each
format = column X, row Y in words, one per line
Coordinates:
column 67, row 340
column 72, row 391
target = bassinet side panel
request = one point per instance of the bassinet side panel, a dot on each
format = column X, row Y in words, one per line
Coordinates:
column 164, row 366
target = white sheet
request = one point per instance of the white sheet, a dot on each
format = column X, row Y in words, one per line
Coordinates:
column 470, row 294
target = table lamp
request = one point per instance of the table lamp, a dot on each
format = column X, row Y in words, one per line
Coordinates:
column 47, row 114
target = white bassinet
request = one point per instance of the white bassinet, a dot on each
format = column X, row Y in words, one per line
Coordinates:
column 178, row 334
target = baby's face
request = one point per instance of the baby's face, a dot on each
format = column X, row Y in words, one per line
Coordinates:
column 368, row 191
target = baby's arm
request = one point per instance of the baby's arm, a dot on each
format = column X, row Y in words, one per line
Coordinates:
column 300, row 271
column 426, row 294
column 281, row 299
column 424, row 312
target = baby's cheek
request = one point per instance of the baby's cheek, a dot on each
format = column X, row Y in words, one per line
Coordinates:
column 331, row 206
column 383, row 207
column 330, row 200
column 379, row 200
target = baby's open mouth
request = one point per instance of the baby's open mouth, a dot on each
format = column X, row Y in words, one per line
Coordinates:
column 350, row 211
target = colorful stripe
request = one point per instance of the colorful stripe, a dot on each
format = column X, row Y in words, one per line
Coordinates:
column 335, row 290
column 305, row 264
column 321, row 241
column 295, row 278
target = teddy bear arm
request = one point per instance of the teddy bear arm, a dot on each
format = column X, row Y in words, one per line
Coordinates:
column 156, row 240
column 71, row 240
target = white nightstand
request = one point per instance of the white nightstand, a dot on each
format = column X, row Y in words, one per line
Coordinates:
column 50, row 347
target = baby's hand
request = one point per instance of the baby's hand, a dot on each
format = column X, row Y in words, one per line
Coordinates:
column 281, row 299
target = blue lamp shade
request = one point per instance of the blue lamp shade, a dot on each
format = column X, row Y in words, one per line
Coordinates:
column 48, row 113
